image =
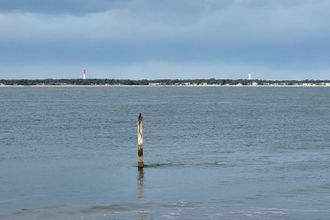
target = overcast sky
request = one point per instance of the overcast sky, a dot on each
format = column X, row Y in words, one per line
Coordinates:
column 150, row 39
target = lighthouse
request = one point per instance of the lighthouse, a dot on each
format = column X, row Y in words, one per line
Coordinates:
column 84, row 75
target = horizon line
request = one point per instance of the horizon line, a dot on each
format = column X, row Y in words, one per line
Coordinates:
column 171, row 79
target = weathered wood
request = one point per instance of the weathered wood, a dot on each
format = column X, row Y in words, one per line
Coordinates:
column 140, row 141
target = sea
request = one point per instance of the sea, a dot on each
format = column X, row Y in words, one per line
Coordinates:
column 209, row 153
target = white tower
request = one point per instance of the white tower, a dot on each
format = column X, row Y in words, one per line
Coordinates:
column 249, row 76
column 84, row 75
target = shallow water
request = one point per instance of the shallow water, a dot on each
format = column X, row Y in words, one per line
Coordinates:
column 210, row 153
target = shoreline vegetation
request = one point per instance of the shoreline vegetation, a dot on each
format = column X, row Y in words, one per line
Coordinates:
column 161, row 83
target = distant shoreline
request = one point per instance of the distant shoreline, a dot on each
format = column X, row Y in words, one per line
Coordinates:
column 111, row 83
column 164, row 86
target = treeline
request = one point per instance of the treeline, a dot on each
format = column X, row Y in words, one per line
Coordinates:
column 26, row 82
column 236, row 82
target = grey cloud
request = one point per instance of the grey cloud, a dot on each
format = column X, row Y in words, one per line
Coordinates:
column 278, row 35
column 170, row 7
column 92, row 6
column 58, row 6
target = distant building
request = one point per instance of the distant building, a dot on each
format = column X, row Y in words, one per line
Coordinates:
column 249, row 76
column 153, row 84
column 254, row 83
column 84, row 75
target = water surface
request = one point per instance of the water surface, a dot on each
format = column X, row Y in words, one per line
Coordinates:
column 210, row 153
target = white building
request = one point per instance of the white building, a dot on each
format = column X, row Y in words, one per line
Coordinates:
column 254, row 83
column 84, row 75
column 249, row 76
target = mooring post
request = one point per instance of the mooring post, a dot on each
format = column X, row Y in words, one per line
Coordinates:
column 140, row 142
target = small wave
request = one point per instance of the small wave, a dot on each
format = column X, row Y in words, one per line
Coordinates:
column 201, row 164
column 135, row 206
column 156, row 165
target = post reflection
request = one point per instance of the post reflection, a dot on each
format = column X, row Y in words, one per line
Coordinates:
column 140, row 183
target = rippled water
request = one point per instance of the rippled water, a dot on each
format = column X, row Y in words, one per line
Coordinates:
column 210, row 153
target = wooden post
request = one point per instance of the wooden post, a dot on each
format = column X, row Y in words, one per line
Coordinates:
column 140, row 142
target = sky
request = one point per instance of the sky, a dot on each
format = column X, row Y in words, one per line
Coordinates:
column 165, row 39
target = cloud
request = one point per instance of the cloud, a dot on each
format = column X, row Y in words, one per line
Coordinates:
column 172, row 7
column 270, row 36
column 59, row 6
